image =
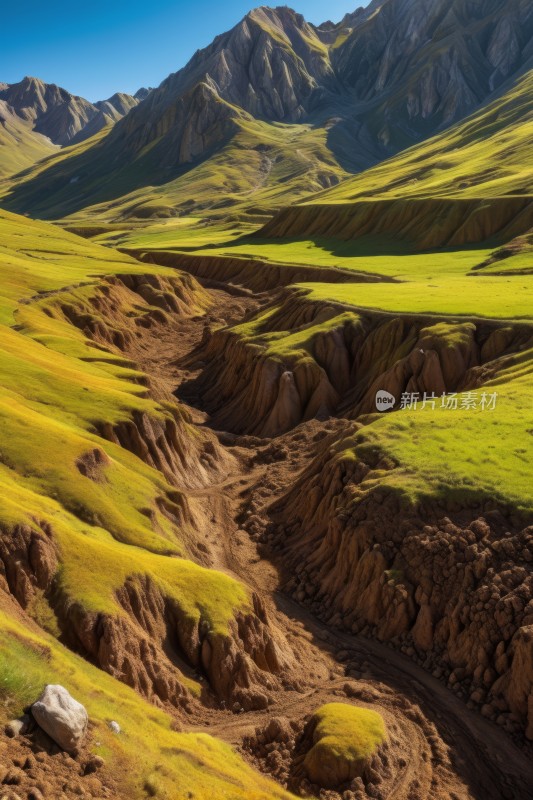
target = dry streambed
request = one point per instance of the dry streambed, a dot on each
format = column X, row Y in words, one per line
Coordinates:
column 436, row 747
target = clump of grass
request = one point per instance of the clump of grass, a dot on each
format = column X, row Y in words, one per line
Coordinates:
column 345, row 738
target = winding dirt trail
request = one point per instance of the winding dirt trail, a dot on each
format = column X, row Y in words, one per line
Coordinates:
column 449, row 752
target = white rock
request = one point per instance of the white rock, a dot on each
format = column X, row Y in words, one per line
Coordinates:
column 61, row 717
column 115, row 727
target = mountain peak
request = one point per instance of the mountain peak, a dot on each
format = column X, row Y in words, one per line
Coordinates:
column 56, row 113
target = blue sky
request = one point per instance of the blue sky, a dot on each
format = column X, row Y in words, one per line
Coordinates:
column 98, row 47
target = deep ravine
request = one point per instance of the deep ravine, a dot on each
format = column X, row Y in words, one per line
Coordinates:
column 440, row 748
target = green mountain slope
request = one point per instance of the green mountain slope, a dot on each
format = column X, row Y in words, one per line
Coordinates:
column 470, row 183
column 490, row 153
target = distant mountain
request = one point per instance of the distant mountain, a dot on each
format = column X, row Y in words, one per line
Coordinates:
column 20, row 146
column 107, row 113
column 382, row 79
column 53, row 111
column 416, row 66
column 142, row 93
column 59, row 115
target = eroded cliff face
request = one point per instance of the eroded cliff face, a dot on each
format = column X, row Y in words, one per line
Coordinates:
column 251, row 385
column 146, row 634
column 116, row 316
column 427, row 223
column 450, row 588
column 154, row 646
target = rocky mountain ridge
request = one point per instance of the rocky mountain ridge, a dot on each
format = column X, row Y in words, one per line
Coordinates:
column 382, row 79
column 62, row 117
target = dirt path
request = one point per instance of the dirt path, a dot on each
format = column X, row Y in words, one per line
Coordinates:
column 450, row 752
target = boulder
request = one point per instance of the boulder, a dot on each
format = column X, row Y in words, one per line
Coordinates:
column 61, row 717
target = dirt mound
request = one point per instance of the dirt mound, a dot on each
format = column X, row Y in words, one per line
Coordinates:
column 33, row 767
column 410, row 764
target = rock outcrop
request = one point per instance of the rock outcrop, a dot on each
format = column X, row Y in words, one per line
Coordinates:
column 61, row 717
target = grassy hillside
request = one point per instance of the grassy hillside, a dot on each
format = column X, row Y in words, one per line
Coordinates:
column 489, row 154
column 263, row 167
column 121, row 521
column 20, row 147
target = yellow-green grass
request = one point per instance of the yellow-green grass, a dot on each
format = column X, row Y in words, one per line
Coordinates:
column 438, row 282
column 37, row 257
column 263, row 167
column 516, row 256
column 177, row 233
column 344, row 735
column 56, row 392
column 147, row 756
column 520, row 262
column 490, row 296
column 20, row 147
column 459, row 456
column 94, row 564
column 391, row 259
column 489, row 154
column 289, row 345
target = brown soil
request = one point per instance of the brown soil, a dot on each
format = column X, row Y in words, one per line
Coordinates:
column 439, row 748
column 33, row 768
column 289, row 653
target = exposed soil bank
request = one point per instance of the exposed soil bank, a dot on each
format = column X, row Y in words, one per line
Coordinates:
column 254, row 274
column 451, row 588
column 250, row 385
column 428, row 222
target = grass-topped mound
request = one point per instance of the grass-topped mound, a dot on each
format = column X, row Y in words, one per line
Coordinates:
column 344, row 738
